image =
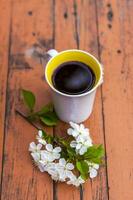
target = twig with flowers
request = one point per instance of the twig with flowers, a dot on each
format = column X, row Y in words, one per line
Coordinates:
column 73, row 159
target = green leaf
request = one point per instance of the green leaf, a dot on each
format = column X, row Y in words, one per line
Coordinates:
column 82, row 167
column 50, row 119
column 95, row 160
column 94, row 152
column 46, row 109
column 49, row 139
column 29, row 99
column 44, row 134
column 84, row 176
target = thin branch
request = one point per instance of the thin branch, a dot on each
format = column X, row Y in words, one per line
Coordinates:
column 26, row 118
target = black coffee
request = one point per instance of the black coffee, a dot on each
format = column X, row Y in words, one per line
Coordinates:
column 73, row 78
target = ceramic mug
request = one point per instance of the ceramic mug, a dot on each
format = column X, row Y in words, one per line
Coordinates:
column 76, row 108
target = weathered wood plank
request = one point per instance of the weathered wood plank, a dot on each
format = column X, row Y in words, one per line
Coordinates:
column 75, row 27
column 5, row 12
column 88, row 40
column 116, row 38
column 65, row 38
column 31, row 23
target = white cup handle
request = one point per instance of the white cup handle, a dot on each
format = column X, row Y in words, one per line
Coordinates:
column 52, row 53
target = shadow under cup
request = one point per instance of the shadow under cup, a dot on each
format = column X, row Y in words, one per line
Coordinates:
column 72, row 55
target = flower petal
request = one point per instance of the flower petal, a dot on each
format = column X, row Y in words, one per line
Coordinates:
column 69, row 182
column 69, row 174
column 81, row 127
column 56, row 156
column 62, row 161
column 78, row 146
column 32, row 146
column 75, row 133
column 80, row 139
column 62, row 176
column 43, row 162
column 69, row 166
column 74, row 125
column 93, row 173
column 96, row 166
column 73, row 144
column 41, row 141
column 88, row 142
column 38, row 147
column 36, row 156
column 45, row 155
column 81, row 180
column 49, row 147
column 69, row 131
column 57, row 150
column 40, row 133
column 72, row 176
column 82, row 150
column 41, row 167
column 55, row 178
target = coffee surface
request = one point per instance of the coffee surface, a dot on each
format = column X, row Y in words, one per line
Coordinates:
column 73, row 78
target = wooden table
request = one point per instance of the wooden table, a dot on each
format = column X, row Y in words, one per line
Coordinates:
column 101, row 27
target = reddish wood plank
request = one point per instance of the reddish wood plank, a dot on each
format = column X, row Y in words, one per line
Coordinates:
column 116, row 38
column 89, row 42
column 65, row 38
column 31, row 22
column 75, row 26
column 5, row 12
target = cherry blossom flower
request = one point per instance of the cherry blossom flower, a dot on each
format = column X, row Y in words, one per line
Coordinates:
column 77, row 130
column 40, row 138
column 36, row 157
column 35, row 153
column 93, row 170
column 51, row 153
column 76, row 181
column 35, row 148
column 51, row 168
column 64, row 169
column 81, row 144
column 48, row 158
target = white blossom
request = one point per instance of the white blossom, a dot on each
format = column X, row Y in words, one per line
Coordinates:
column 36, row 156
column 76, row 130
column 93, row 169
column 51, row 153
column 76, row 181
column 82, row 138
column 47, row 157
column 81, row 144
column 64, row 169
column 51, row 168
column 39, row 137
column 35, row 148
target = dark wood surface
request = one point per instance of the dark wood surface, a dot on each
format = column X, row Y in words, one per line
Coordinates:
column 101, row 27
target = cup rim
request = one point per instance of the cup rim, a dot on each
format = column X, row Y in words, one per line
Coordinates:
column 78, row 95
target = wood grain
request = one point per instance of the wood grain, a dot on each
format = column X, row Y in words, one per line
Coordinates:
column 65, row 38
column 104, row 28
column 116, row 37
column 20, row 178
column 97, row 189
column 5, row 13
column 77, row 20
